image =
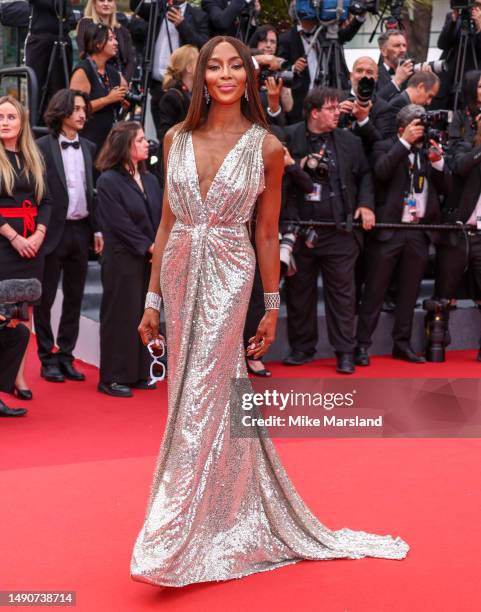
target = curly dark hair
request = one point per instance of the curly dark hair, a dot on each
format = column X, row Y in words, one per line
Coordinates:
column 62, row 105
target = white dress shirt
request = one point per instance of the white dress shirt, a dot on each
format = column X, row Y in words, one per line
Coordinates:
column 74, row 168
column 163, row 50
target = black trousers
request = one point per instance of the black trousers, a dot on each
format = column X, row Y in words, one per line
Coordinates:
column 125, row 279
column 335, row 258
column 408, row 251
column 13, row 344
column 70, row 258
column 451, row 262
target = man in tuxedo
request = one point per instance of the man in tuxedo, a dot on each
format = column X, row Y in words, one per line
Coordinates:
column 421, row 89
column 408, row 184
column 68, row 160
column 237, row 18
column 370, row 121
column 393, row 72
column 293, row 46
column 343, row 194
column 182, row 24
column 13, row 344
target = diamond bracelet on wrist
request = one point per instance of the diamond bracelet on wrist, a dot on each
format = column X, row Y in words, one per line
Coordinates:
column 153, row 300
column 272, row 301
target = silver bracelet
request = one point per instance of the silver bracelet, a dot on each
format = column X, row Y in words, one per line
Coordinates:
column 153, row 300
column 272, row 301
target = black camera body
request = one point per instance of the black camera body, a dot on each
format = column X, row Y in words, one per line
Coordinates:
column 435, row 118
column 317, row 166
column 13, row 311
column 359, row 7
column 287, row 76
column 460, row 5
column 365, row 91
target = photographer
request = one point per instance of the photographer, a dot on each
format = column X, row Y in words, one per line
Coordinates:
column 236, row 18
column 178, row 24
column 343, row 191
column 293, row 46
column 409, row 175
column 393, row 71
column 421, row 89
column 39, row 44
column 468, row 20
column 464, row 123
column 105, row 86
column 13, row 345
column 363, row 112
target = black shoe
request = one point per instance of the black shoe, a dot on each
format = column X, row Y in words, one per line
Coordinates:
column 142, row 384
column 388, row 306
column 407, row 354
column 297, row 358
column 67, row 369
column 114, row 389
column 345, row 363
column 264, row 373
column 51, row 373
column 5, row 411
column 24, row 394
column 361, row 356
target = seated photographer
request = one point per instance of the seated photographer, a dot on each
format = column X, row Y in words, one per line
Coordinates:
column 363, row 112
column 458, row 251
column 104, row 85
column 394, row 68
column 343, row 191
column 237, row 18
column 409, row 175
column 105, row 11
column 24, row 204
column 467, row 19
column 464, row 123
column 13, row 345
column 421, row 90
column 293, row 46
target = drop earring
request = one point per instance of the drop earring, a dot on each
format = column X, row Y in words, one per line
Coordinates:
column 246, row 95
column 206, row 95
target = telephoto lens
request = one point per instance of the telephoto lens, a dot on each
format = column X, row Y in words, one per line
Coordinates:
column 436, row 327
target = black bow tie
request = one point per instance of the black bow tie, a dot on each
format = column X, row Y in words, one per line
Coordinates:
column 391, row 71
column 66, row 144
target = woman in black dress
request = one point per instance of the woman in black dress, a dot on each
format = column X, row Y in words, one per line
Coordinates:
column 104, row 85
column 105, row 11
column 129, row 205
column 24, row 206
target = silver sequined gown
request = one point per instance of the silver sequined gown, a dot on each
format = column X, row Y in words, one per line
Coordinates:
column 221, row 507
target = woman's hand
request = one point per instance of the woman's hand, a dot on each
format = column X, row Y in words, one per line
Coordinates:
column 116, row 94
column 36, row 240
column 23, row 247
column 265, row 335
column 149, row 326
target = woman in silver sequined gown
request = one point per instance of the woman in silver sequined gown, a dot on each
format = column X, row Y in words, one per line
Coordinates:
column 220, row 507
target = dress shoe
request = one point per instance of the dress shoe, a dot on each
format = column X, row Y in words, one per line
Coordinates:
column 5, row 411
column 407, row 354
column 51, row 373
column 388, row 306
column 142, row 384
column 264, row 373
column 297, row 358
column 70, row 372
column 114, row 389
column 361, row 356
column 345, row 363
column 24, row 394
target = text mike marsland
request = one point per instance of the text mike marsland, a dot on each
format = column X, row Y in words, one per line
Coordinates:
column 307, row 421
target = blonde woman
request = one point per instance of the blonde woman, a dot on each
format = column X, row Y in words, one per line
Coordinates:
column 104, row 12
column 24, row 206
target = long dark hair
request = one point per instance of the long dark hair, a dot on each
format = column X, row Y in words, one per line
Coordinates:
column 61, row 106
column 470, row 92
column 261, row 34
column 115, row 153
column 198, row 109
column 96, row 37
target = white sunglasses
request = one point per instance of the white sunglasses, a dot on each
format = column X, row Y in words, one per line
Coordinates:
column 157, row 368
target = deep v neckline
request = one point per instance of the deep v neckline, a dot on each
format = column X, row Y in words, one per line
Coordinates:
column 228, row 154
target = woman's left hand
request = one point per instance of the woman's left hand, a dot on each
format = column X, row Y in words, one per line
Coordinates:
column 36, row 240
column 265, row 335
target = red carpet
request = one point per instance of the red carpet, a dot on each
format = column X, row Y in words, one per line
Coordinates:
column 74, row 481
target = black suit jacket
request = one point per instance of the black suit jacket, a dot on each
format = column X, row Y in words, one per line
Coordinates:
column 57, row 186
column 228, row 17
column 194, row 29
column 379, row 125
column 385, row 87
column 354, row 171
column 129, row 221
column 390, row 162
column 395, row 105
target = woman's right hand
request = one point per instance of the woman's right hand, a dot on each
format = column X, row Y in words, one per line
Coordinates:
column 149, row 326
column 23, row 247
column 117, row 94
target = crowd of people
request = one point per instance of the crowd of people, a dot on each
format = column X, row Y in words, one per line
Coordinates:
column 354, row 157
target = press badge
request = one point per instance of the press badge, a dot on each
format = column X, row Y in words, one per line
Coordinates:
column 315, row 195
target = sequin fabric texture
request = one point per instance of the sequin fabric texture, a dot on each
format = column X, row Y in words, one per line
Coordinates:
column 221, row 507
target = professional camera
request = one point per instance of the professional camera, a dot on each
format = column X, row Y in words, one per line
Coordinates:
column 365, row 89
column 326, row 10
column 15, row 295
column 436, row 327
column 286, row 244
column 437, row 66
column 317, row 166
column 13, row 311
column 287, row 76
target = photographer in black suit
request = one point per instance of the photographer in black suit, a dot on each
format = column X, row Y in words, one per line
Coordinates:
column 343, row 192
column 421, row 89
column 368, row 117
column 13, row 344
column 393, row 71
column 408, row 184
column 69, row 162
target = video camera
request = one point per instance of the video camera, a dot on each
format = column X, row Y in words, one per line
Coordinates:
column 15, row 296
column 327, row 10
